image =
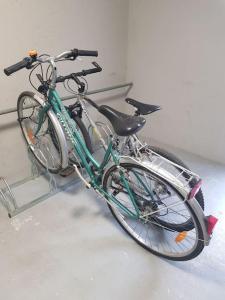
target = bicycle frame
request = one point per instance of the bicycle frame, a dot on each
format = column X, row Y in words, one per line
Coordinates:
column 94, row 169
column 135, row 145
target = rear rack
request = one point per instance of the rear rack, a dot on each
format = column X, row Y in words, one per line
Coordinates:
column 177, row 175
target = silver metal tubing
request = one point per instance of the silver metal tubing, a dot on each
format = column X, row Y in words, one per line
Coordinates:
column 110, row 88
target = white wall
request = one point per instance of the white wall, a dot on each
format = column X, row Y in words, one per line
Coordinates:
column 176, row 58
column 52, row 27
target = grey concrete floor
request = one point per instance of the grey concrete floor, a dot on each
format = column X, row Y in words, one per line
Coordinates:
column 70, row 247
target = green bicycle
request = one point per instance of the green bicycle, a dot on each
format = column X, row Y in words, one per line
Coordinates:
column 149, row 205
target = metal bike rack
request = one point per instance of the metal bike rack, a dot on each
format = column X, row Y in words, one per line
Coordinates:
column 55, row 182
column 110, row 88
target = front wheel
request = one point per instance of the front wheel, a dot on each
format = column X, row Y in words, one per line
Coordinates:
column 140, row 213
column 40, row 144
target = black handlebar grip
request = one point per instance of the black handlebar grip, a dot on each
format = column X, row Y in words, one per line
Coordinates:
column 18, row 66
column 87, row 53
column 77, row 52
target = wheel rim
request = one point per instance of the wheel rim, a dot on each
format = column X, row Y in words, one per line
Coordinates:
column 41, row 144
column 151, row 233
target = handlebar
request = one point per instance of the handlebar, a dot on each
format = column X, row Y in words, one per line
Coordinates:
column 79, row 74
column 28, row 61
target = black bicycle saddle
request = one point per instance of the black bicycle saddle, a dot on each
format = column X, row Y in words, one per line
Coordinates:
column 142, row 108
column 123, row 124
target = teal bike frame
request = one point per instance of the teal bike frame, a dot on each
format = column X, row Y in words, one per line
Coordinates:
column 93, row 168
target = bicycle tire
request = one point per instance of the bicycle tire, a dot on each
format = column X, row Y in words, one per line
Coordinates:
column 53, row 164
column 200, row 240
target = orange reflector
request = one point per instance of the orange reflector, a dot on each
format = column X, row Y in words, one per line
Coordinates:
column 30, row 135
column 181, row 236
column 32, row 53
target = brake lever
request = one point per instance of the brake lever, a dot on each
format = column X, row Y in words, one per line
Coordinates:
column 99, row 69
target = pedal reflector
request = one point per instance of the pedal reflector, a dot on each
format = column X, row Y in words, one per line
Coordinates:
column 181, row 236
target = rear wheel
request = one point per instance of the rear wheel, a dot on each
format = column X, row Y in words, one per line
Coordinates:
column 41, row 145
column 188, row 224
column 146, row 229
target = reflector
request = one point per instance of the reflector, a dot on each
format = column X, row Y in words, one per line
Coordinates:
column 30, row 135
column 181, row 236
column 211, row 222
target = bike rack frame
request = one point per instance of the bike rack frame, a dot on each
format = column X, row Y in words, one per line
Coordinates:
column 7, row 197
column 107, row 89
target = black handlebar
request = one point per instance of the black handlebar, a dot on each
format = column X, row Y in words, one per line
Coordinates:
column 25, row 63
column 79, row 74
column 91, row 71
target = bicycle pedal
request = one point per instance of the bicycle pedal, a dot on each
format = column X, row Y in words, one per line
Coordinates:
column 67, row 171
